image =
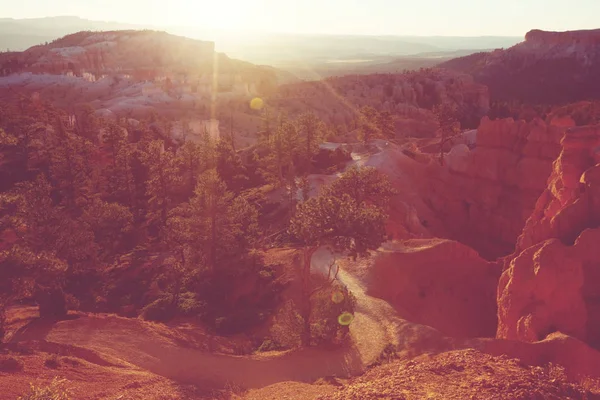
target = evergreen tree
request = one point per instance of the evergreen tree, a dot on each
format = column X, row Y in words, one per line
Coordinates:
column 368, row 128
column 311, row 134
column 191, row 164
column 385, row 123
column 338, row 222
column 112, row 225
column 70, row 168
column 449, row 126
column 163, row 179
column 214, row 226
column 230, row 167
column 363, row 184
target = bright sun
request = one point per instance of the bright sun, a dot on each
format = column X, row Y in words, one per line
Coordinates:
column 223, row 14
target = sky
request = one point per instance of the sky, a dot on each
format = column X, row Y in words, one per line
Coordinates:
column 377, row 17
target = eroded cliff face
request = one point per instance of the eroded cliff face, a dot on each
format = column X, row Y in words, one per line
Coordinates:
column 546, row 68
column 552, row 281
column 486, row 194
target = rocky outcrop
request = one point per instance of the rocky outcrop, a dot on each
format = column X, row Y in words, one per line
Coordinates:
column 440, row 283
column 552, row 281
column 546, row 68
column 486, row 194
column 584, row 37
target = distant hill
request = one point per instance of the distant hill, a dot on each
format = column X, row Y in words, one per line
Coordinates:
column 379, row 65
column 20, row 34
column 547, row 68
column 289, row 51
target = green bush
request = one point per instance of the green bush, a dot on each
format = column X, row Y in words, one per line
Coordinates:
column 57, row 390
column 160, row 310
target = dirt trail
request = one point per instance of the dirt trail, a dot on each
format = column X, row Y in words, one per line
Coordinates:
column 133, row 343
column 139, row 344
column 148, row 346
column 376, row 323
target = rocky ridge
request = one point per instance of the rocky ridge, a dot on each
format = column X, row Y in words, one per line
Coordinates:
column 550, row 283
column 488, row 190
column 546, row 68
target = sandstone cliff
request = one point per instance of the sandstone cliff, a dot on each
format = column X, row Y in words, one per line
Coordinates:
column 551, row 282
column 485, row 195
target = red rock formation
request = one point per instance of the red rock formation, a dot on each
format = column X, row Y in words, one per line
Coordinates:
column 440, row 283
column 486, row 194
column 552, row 281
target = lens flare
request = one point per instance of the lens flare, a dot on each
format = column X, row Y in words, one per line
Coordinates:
column 345, row 319
column 337, row 297
column 257, row 103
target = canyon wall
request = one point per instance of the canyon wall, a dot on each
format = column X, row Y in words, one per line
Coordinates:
column 486, row 194
column 552, row 281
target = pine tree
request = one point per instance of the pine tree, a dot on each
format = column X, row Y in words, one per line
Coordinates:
column 363, row 184
column 385, row 123
column 215, row 226
column 311, row 133
column 283, row 151
column 367, row 124
column 449, row 126
column 191, row 165
column 337, row 222
column 163, row 179
column 70, row 168
column 112, row 225
column 230, row 167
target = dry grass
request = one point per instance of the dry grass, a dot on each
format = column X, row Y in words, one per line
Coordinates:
column 465, row 374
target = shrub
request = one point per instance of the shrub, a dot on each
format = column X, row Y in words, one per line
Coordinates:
column 56, row 390
column 10, row 364
column 160, row 310
column 2, row 321
column 72, row 302
column 269, row 345
column 287, row 326
column 327, row 306
column 52, row 303
column 52, row 361
column 188, row 305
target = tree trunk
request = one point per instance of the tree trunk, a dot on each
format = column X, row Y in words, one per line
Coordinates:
column 306, row 307
column 52, row 303
column 213, row 244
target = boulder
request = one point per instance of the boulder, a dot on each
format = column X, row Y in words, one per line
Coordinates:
column 540, row 293
column 440, row 283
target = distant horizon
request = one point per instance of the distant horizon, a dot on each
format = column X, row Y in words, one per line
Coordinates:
column 163, row 27
column 424, row 18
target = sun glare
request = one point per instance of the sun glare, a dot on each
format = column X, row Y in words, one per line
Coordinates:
column 231, row 15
